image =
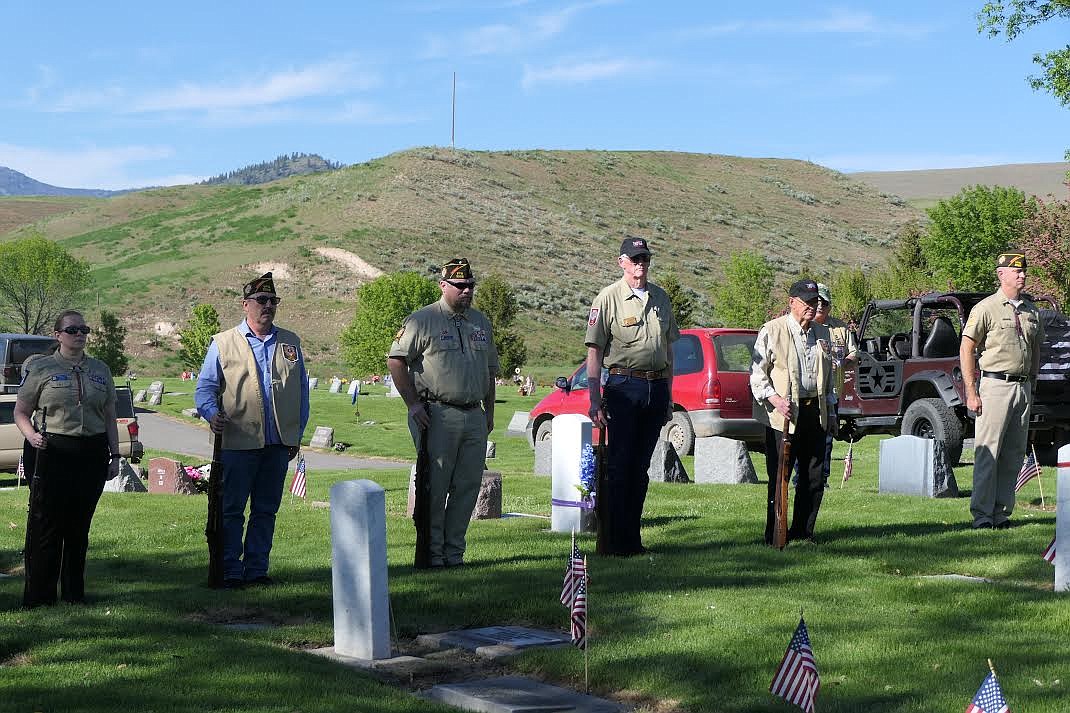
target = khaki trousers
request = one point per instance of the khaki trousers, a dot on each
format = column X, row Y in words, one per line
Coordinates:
column 1001, row 437
column 457, row 445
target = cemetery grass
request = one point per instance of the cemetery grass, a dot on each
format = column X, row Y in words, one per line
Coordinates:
column 699, row 624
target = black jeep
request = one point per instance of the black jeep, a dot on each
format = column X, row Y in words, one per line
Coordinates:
column 907, row 378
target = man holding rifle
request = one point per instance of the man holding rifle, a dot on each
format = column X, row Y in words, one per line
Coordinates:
column 253, row 389
column 630, row 331
column 443, row 363
column 791, row 380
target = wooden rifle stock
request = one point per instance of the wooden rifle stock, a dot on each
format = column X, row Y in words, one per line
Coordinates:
column 780, row 494
column 33, row 508
column 601, row 497
column 421, row 508
column 213, row 529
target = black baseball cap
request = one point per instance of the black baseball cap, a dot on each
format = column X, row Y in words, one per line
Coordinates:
column 633, row 246
column 805, row 290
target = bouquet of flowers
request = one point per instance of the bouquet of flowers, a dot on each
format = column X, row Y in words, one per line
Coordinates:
column 588, row 479
column 200, row 476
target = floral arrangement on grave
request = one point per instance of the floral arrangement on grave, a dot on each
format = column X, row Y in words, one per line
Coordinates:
column 588, row 479
column 199, row 476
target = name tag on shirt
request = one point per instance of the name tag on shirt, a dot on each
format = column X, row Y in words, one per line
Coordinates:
column 630, row 321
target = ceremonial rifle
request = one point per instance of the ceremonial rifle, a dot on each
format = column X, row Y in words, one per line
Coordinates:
column 421, row 507
column 213, row 529
column 780, row 494
column 33, row 507
column 601, row 495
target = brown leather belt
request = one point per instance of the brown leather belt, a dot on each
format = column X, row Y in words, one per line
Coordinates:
column 1003, row 376
column 462, row 407
column 639, row 373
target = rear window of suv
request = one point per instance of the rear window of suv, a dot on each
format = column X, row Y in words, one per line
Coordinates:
column 734, row 351
column 686, row 355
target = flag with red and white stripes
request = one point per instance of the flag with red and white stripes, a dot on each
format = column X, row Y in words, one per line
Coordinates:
column 1030, row 469
column 20, row 472
column 298, row 486
column 1049, row 554
column 579, row 616
column 797, row 680
column 575, row 572
column 849, row 462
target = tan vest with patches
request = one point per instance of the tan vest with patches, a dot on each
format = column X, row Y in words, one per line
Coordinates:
column 784, row 373
column 242, row 399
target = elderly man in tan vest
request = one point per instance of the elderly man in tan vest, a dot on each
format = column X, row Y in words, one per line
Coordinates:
column 253, row 389
column 791, row 380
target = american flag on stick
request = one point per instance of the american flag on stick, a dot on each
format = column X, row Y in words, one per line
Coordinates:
column 579, row 616
column 576, row 571
column 796, row 679
column 298, row 486
column 1030, row 469
column 1049, row 554
column 20, row 473
column 989, row 698
column 848, row 463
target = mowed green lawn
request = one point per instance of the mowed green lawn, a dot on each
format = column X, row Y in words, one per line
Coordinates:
column 698, row 625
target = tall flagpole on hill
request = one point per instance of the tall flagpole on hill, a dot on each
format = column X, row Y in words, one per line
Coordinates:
column 453, row 117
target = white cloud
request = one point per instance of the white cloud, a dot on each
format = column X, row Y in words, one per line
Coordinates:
column 318, row 80
column 351, row 112
column 589, row 71
column 91, row 167
column 843, row 22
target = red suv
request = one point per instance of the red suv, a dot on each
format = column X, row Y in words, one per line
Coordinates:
column 710, row 391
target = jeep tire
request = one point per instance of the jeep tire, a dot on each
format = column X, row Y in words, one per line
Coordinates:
column 932, row 418
column 680, row 433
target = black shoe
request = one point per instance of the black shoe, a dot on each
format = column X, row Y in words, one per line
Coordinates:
column 233, row 584
column 454, row 564
column 261, row 581
column 982, row 526
column 1005, row 525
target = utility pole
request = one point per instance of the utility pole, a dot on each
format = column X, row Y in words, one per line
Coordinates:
column 453, row 120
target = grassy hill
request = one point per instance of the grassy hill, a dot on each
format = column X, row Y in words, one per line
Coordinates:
column 924, row 188
column 550, row 222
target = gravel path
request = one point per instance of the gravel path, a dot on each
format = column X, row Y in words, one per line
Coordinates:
column 168, row 434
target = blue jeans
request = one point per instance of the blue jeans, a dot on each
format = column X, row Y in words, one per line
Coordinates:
column 254, row 477
column 636, row 409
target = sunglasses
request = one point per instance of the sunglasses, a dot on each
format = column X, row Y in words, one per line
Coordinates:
column 642, row 259
column 264, row 299
column 461, row 286
column 84, row 329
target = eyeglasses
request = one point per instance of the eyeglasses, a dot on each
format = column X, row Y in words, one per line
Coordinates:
column 84, row 329
column 264, row 299
column 461, row 286
column 641, row 259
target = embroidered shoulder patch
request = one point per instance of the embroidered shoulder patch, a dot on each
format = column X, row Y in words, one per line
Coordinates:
column 289, row 352
column 593, row 318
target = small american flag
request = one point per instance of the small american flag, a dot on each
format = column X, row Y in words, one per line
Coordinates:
column 849, row 462
column 1030, row 469
column 298, row 486
column 576, row 571
column 20, row 472
column 796, row 679
column 579, row 616
column 989, row 698
column 1049, row 554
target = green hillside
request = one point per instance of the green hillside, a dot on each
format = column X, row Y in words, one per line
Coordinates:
column 549, row 221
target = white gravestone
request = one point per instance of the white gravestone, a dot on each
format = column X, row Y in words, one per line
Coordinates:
column 156, row 387
column 313, row 382
column 359, row 570
column 571, row 433
column 139, row 396
column 492, row 450
column 518, row 424
column 543, row 452
column 915, row 466
column 354, row 387
column 335, row 387
column 393, row 392
column 1062, row 522
column 323, row 437
column 155, row 398
column 723, row 460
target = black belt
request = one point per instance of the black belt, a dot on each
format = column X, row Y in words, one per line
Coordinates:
column 462, row 407
column 812, row 401
column 1003, row 376
column 639, row 373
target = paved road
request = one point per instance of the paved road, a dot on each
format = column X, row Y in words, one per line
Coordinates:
column 168, row 434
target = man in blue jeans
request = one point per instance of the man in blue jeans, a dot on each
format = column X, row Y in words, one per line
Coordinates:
column 630, row 331
column 253, row 389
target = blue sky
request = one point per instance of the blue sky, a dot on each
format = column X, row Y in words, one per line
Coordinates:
column 122, row 94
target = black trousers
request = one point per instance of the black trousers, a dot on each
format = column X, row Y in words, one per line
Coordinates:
column 63, row 497
column 808, row 452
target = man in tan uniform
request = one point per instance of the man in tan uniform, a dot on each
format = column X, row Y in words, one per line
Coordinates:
column 630, row 331
column 1006, row 331
column 791, row 381
column 443, row 363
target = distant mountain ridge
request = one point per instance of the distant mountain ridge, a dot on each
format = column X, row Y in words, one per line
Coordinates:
column 13, row 183
column 1039, row 179
column 295, row 164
